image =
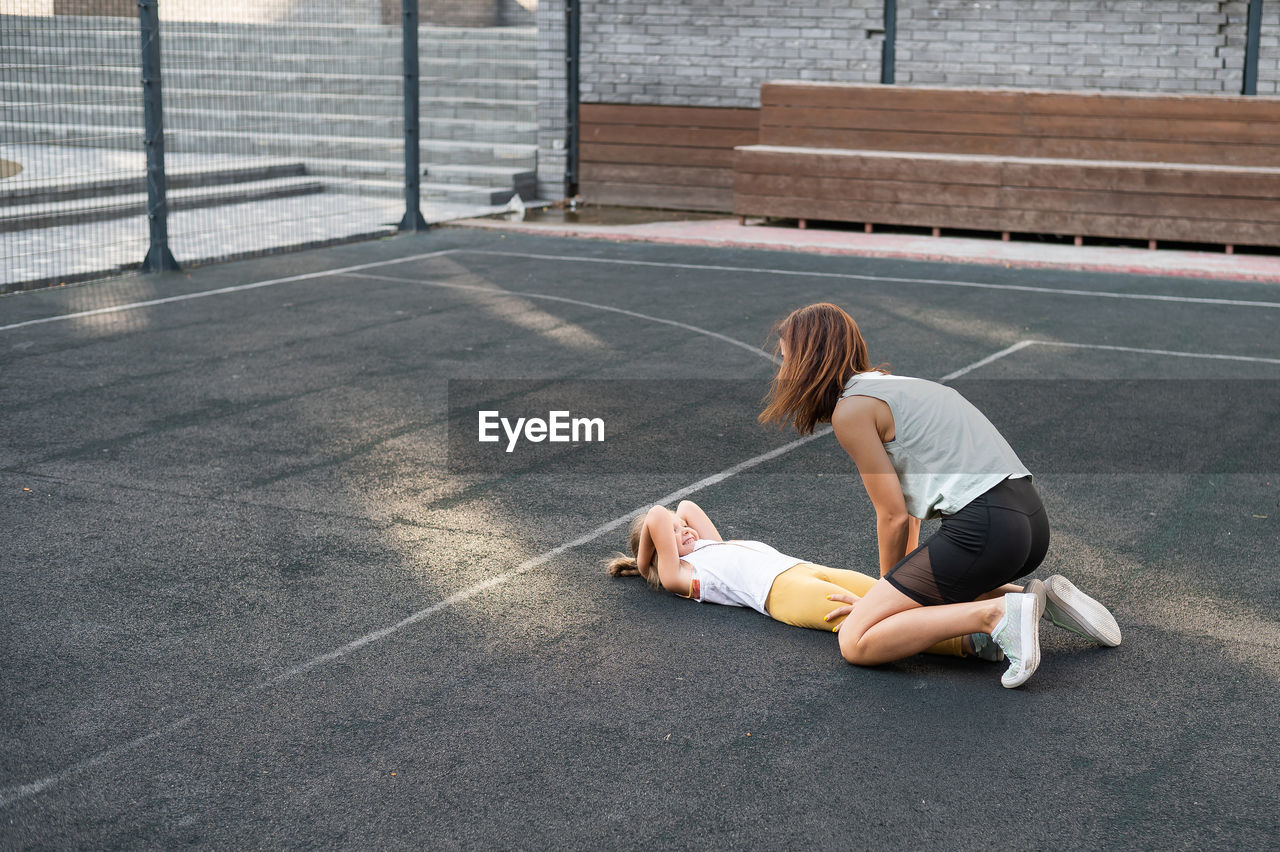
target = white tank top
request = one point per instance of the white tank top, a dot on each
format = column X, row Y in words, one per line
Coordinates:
column 735, row 573
column 944, row 450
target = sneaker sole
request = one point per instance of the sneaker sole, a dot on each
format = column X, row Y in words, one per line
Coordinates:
column 1074, row 610
column 1029, row 618
column 1037, row 588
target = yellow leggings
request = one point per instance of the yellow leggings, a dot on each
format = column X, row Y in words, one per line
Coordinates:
column 799, row 597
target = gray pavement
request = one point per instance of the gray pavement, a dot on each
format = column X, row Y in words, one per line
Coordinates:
column 249, row 605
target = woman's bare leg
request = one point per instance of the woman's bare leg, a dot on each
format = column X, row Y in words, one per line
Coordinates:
column 886, row 625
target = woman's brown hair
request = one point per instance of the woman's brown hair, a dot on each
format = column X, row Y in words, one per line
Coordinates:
column 625, row 566
column 824, row 349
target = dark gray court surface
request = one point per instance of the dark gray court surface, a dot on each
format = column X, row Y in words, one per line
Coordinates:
column 247, row 605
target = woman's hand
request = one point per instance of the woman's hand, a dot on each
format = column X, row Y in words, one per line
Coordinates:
column 838, row 614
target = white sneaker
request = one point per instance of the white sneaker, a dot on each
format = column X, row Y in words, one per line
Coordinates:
column 1018, row 635
column 1071, row 608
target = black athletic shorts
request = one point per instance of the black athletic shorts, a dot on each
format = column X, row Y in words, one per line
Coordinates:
column 995, row 539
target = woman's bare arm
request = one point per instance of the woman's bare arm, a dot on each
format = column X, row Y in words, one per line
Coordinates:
column 854, row 421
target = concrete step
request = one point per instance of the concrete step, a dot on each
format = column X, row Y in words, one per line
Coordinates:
column 315, row 37
column 447, row 193
column 352, row 85
column 526, row 182
column 57, row 190
column 177, row 119
column 57, row 98
column 434, row 44
column 442, row 151
column 81, row 210
column 509, row 62
column 468, row 175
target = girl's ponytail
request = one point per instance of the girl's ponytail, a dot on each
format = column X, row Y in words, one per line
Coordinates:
column 622, row 566
column 626, row 566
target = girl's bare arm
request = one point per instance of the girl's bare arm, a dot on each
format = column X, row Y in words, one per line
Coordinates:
column 691, row 513
column 657, row 525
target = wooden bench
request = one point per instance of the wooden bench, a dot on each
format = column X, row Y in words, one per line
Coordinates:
column 1186, row 168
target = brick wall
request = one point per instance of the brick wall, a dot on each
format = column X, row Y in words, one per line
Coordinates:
column 1269, row 52
column 711, row 53
column 1171, row 46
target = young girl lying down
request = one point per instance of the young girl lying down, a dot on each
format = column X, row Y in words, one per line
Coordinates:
column 683, row 553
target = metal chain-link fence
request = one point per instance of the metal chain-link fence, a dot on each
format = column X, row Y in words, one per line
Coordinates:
column 283, row 125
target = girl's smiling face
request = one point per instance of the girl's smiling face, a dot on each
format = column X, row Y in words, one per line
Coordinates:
column 685, row 535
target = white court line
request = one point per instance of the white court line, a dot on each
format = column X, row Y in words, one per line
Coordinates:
column 1021, row 344
column 131, row 306
column 494, row 291
column 1151, row 351
column 529, row 565
column 850, row 276
column 941, row 282
column 25, row 791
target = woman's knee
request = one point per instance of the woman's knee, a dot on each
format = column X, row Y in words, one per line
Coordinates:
column 852, row 647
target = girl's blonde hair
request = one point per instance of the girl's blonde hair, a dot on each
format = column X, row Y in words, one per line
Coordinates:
column 622, row 565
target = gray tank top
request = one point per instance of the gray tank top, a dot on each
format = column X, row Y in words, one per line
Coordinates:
column 944, row 450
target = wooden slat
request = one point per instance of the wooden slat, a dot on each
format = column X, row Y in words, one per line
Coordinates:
column 1006, row 219
column 888, row 97
column 675, row 175
column 667, row 116
column 955, row 143
column 851, row 165
column 781, row 119
column 1145, row 204
column 1177, row 179
column 656, row 155
column 1155, row 177
column 940, row 192
column 1025, row 101
column 1161, row 151
column 1164, row 151
column 1186, row 129
column 898, row 191
column 1153, row 106
column 661, row 197
column 644, row 134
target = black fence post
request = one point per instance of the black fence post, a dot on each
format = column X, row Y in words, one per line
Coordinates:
column 572, row 50
column 159, row 258
column 1252, row 44
column 412, row 220
column 887, row 58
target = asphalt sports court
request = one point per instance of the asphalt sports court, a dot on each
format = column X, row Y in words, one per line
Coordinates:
column 249, row 604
